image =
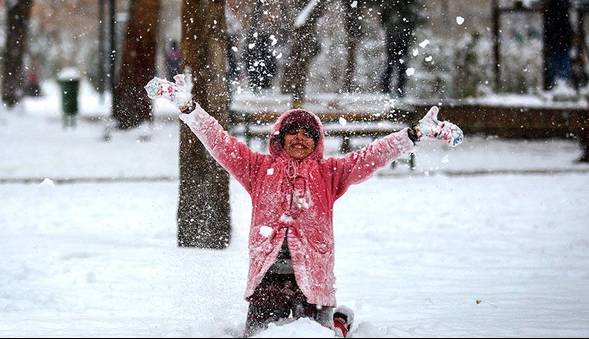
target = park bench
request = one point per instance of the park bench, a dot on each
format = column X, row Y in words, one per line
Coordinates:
column 342, row 125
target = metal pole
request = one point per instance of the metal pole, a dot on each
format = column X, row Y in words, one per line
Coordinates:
column 496, row 44
column 112, row 54
column 101, row 80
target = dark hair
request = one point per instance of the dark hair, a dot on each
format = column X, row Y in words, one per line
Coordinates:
column 298, row 120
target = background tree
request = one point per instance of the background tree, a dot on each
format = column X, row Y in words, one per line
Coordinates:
column 204, row 215
column 131, row 106
column 260, row 64
column 304, row 47
column 18, row 13
column 400, row 19
column 353, row 29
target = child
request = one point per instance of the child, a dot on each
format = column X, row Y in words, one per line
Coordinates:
column 293, row 189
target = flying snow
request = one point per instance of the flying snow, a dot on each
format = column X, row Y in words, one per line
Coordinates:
column 424, row 43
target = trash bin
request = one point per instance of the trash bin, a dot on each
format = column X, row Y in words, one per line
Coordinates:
column 69, row 81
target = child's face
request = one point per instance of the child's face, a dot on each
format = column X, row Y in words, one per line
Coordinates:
column 298, row 144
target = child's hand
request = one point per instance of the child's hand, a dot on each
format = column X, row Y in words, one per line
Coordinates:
column 432, row 128
column 178, row 92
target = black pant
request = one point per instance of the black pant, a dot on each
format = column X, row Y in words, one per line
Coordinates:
column 276, row 298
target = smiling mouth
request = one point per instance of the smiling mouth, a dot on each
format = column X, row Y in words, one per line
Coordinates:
column 299, row 146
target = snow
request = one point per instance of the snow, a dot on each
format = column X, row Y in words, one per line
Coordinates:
column 303, row 328
column 266, row 231
column 69, row 74
column 285, row 218
column 424, row 43
column 459, row 20
column 487, row 239
column 304, row 15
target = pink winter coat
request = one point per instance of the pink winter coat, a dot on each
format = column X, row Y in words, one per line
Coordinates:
column 294, row 196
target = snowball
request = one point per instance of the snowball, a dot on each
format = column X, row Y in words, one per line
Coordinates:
column 266, row 231
column 429, row 59
column 424, row 43
column 459, row 20
column 410, row 71
column 251, row 46
column 274, row 40
column 270, row 171
column 234, row 48
column 342, row 121
column 354, row 4
column 415, row 52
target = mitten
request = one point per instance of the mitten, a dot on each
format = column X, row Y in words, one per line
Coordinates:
column 178, row 92
column 431, row 128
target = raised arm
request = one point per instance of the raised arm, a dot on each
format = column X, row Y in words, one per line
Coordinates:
column 233, row 155
column 356, row 167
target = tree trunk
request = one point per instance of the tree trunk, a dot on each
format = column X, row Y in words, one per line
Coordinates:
column 303, row 49
column 353, row 33
column 204, row 215
column 131, row 106
column 17, row 22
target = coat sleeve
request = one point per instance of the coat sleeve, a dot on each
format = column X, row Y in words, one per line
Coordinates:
column 358, row 166
column 234, row 156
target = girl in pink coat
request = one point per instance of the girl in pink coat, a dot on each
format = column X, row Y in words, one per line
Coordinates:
column 293, row 189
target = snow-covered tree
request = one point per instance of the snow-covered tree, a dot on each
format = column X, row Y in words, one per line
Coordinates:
column 203, row 208
column 18, row 13
column 303, row 48
column 131, row 106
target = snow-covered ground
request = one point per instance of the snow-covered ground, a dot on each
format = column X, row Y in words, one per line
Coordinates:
column 437, row 254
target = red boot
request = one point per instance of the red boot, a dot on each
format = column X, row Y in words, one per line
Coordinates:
column 343, row 318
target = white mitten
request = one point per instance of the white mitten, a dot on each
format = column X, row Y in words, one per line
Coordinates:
column 178, row 92
column 432, row 128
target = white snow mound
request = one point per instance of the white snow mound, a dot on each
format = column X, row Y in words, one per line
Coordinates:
column 301, row 328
